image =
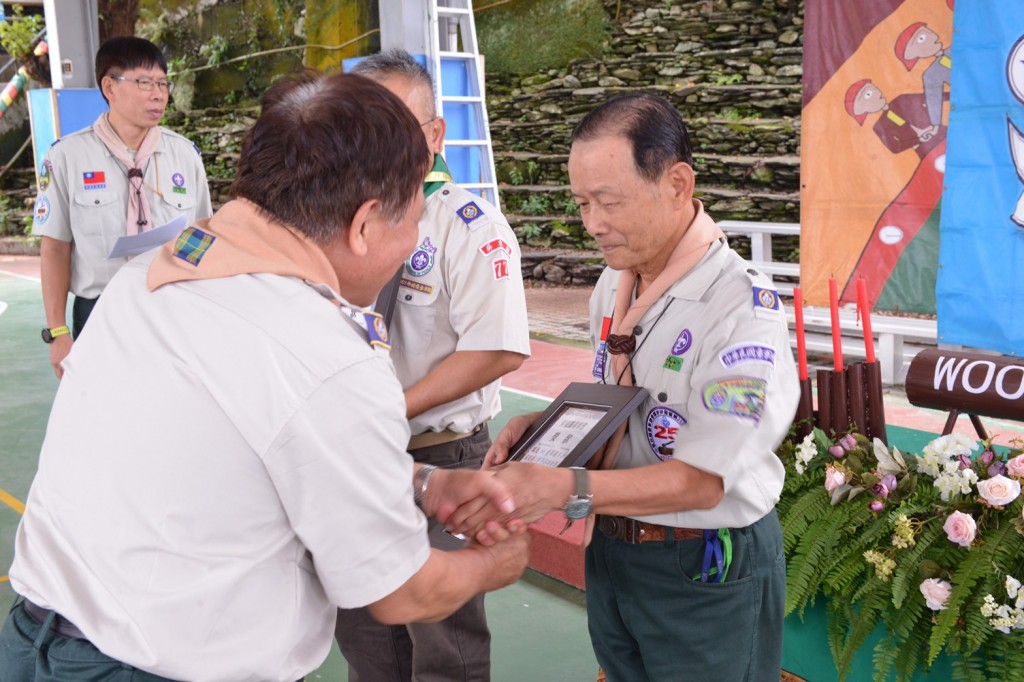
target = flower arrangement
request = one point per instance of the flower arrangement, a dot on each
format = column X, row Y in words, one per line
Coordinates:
column 930, row 546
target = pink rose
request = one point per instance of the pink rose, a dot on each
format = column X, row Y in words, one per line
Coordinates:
column 960, row 528
column 876, row 505
column 936, row 593
column 837, row 451
column 833, row 479
column 999, row 490
column 848, row 442
column 1015, row 466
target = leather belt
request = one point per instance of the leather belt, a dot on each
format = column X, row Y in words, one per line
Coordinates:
column 429, row 439
column 636, row 532
column 61, row 625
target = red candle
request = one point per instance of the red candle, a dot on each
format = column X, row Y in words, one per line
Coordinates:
column 801, row 342
column 865, row 315
column 837, row 333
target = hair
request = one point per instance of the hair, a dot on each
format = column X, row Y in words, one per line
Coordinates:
column 324, row 145
column 396, row 62
column 125, row 53
column 652, row 126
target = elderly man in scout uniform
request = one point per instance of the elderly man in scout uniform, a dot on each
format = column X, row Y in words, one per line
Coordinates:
column 123, row 175
column 225, row 462
column 460, row 325
column 685, row 571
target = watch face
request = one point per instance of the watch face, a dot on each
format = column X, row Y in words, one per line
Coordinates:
column 47, row 337
column 578, row 507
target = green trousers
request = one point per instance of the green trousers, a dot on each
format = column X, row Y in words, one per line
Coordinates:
column 650, row 620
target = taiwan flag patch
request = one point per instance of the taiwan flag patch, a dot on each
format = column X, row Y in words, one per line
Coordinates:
column 94, row 179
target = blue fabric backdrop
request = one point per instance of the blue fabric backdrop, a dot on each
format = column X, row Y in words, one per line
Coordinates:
column 980, row 289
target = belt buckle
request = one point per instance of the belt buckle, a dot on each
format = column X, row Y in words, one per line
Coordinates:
column 633, row 531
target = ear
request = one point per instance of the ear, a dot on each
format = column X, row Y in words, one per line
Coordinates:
column 435, row 137
column 107, row 86
column 360, row 231
column 682, row 181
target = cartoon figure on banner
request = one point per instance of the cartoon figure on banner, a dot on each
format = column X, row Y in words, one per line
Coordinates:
column 917, row 41
column 904, row 123
column 1015, row 78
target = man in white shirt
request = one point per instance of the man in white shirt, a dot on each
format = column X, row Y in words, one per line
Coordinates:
column 225, row 461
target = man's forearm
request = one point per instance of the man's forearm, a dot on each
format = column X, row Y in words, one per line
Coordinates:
column 458, row 375
column 55, row 273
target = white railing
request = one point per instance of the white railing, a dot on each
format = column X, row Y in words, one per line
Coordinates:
column 897, row 339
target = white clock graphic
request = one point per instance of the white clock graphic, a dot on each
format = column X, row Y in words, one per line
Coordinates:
column 1015, row 69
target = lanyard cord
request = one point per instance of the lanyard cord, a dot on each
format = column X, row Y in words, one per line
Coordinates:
column 629, row 365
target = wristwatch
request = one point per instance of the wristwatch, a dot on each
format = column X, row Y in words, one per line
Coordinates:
column 581, row 503
column 420, row 480
column 50, row 334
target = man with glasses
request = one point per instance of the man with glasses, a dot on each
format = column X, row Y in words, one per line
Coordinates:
column 459, row 326
column 123, row 175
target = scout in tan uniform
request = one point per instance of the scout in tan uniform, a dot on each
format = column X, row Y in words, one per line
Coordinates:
column 253, row 476
column 460, row 324
column 123, row 175
column 685, row 572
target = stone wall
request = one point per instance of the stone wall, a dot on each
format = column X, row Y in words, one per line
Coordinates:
column 731, row 67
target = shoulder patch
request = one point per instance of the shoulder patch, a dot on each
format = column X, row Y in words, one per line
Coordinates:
column 741, row 397
column 766, row 299
column 192, row 245
column 41, row 213
column 45, row 175
column 496, row 245
column 469, row 212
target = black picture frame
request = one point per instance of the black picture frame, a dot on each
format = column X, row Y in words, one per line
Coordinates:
column 603, row 408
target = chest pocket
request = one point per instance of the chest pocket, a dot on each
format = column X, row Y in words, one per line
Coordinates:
column 98, row 211
column 173, row 203
column 416, row 313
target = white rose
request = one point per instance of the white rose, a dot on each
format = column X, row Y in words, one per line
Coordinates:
column 999, row 490
column 936, row 593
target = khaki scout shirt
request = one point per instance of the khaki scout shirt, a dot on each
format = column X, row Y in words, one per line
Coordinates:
column 461, row 290
column 83, row 199
column 714, row 355
column 209, row 576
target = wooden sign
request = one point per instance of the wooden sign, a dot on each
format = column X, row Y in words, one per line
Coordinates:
column 988, row 385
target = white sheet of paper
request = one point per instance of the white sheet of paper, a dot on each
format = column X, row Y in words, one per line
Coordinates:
column 127, row 247
column 559, row 439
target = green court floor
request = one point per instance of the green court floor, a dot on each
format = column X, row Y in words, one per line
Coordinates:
column 539, row 624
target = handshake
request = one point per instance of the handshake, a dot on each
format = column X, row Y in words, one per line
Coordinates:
column 493, row 506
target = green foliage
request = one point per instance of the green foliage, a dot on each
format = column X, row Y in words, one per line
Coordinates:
column 535, row 204
column 531, row 231
column 826, row 536
column 215, row 50
column 18, row 32
column 525, row 36
column 718, row 78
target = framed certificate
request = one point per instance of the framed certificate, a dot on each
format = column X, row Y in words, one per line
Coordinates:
column 576, row 424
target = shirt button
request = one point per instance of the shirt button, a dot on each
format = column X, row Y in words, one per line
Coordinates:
column 751, row 271
column 96, row 201
column 445, row 192
column 408, row 297
column 662, row 397
column 638, row 330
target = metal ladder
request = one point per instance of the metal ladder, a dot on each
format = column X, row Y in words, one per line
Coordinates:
column 459, row 95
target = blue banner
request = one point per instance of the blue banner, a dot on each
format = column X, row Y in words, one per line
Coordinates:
column 980, row 289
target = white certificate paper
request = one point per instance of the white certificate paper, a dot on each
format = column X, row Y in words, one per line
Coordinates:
column 560, row 437
column 126, row 247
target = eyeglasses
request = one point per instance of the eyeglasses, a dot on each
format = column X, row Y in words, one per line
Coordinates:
column 147, row 84
column 429, row 120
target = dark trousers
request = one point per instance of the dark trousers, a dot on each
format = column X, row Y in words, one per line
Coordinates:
column 456, row 649
column 30, row 652
column 81, row 309
column 649, row 620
